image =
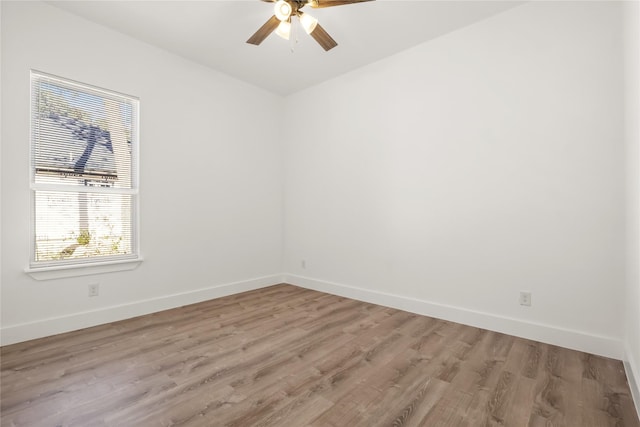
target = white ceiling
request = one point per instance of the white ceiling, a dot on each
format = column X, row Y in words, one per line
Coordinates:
column 213, row 33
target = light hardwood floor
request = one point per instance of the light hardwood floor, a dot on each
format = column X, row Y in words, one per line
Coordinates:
column 286, row 356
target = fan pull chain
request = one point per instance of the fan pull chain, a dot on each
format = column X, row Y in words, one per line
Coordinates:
column 293, row 39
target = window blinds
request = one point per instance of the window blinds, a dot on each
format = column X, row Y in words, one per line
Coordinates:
column 84, row 176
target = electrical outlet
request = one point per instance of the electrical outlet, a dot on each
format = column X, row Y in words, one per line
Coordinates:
column 303, row 264
column 94, row 289
column 525, row 298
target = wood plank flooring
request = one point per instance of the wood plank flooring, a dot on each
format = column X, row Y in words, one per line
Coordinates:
column 286, row 356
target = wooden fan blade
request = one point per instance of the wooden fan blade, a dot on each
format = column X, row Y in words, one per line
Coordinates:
column 330, row 3
column 323, row 38
column 264, row 31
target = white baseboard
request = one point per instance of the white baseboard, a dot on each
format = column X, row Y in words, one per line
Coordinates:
column 575, row 340
column 631, row 368
column 27, row 331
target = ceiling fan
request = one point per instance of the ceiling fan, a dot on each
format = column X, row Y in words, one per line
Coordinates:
column 280, row 22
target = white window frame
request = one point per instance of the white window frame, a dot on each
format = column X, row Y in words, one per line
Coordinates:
column 44, row 270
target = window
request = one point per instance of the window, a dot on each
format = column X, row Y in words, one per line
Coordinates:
column 84, row 145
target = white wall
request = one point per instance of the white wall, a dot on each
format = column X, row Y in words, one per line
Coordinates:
column 211, row 187
column 449, row 177
column 632, row 136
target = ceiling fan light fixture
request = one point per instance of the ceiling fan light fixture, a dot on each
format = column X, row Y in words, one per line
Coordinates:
column 284, row 30
column 308, row 22
column 280, row 22
column 282, row 10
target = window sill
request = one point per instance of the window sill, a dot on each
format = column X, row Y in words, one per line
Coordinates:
column 62, row 271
